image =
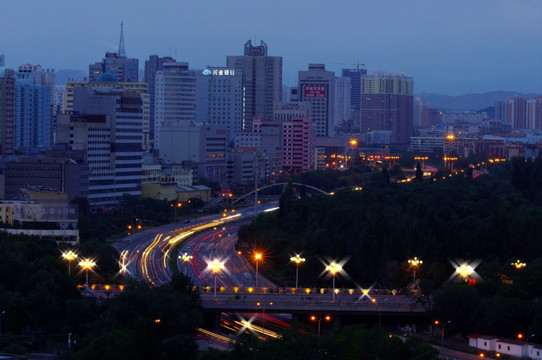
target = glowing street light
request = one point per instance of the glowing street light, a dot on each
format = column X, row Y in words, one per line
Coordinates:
column 415, row 263
column 87, row 265
column 298, row 260
column 185, row 258
column 464, row 270
column 319, row 319
column 257, row 258
column 69, row 256
column 334, row 268
column 518, row 264
column 215, row 266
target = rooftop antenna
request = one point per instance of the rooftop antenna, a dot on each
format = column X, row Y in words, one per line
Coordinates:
column 122, row 51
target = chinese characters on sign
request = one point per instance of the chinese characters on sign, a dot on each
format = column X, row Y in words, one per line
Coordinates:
column 314, row 91
column 219, row 72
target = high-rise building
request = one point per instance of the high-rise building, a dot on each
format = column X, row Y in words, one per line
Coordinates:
column 125, row 69
column 355, row 93
column 387, row 104
column 175, row 97
column 152, row 66
column 33, row 110
column 7, row 114
column 343, row 108
column 298, row 135
column 2, row 60
column 262, row 81
column 109, row 81
column 534, row 113
column 106, row 124
column 317, row 86
column 219, row 98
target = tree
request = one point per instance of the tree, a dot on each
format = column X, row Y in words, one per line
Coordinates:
column 419, row 172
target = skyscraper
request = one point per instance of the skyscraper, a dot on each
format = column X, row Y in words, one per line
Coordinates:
column 118, row 64
column 387, row 104
column 33, row 110
column 107, row 125
column 343, row 107
column 175, row 97
column 7, row 113
column 262, row 81
column 355, row 93
column 152, row 66
column 219, row 93
column 317, row 86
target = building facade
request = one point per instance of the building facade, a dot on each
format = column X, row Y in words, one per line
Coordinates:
column 317, row 86
column 343, row 107
column 107, row 125
column 7, row 115
column 262, row 81
column 387, row 104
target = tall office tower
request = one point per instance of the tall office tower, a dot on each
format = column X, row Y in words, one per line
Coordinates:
column 355, row 94
column 262, row 81
column 44, row 77
column 317, row 86
column 125, row 69
column 152, row 66
column 418, row 108
column 534, row 113
column 175, row 97
column 2, row 60
column 219, row 94
column 33, row 111
column 387, row 104
column 298, row 133
column 109, row 81
column 343, row 111
column 107, row 125
column 7, row 113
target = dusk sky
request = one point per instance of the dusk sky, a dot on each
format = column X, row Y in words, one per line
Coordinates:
column 449, row 47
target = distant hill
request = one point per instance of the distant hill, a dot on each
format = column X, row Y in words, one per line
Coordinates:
column 469, row 101
column 61, row 76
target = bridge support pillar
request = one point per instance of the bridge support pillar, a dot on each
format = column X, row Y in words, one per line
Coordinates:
column 211, row 320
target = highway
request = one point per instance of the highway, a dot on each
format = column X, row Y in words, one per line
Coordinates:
column 146, row 255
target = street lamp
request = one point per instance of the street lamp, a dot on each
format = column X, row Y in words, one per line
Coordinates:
column 518, row 264
column 178, row 205
column 87, row 264
column 464, row 270
column 216, row 265
column 520, row 336
column 414, row 263
column 442, row 343
column 319, row 319
column 185, row 258
column 257, row 258
column 298, row 260
column 334, row 268
column 69, row 256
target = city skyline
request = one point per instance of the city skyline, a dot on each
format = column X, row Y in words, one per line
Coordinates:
column 453, row 48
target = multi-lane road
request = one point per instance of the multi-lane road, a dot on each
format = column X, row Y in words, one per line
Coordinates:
column 147, row 255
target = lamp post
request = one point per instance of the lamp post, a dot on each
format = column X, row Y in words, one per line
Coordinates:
column 257, row 258
column 87, row 265
column 518, row 264
column 520, row 336
column 414, row 263
column 334, row 268
column 464, row 270
column 216, row 265
column 69, row 256
column 319, row 319
column 442, row 343
column 185, row 258
column 297, row 260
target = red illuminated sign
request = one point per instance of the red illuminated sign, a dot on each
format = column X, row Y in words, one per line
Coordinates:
column 314, row 91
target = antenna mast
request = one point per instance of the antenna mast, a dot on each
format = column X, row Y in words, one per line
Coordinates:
column 122, row 51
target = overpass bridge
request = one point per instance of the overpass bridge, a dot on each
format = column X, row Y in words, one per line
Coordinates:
column 302, row 303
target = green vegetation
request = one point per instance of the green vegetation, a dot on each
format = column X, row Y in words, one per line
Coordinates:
column 494, row 219
column 351, row 342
